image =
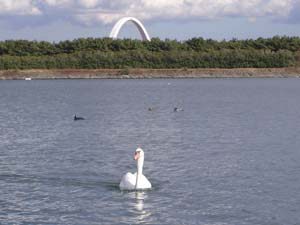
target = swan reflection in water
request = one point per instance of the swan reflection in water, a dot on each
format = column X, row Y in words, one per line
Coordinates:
column 142, row 215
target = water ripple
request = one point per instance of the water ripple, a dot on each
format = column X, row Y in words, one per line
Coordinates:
column 231, row 157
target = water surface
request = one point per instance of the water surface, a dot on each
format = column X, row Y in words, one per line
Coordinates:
column 231, row 157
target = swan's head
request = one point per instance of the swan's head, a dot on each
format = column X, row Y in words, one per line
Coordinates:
column 139, row 153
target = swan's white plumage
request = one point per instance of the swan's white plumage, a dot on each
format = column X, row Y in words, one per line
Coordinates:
column 131, row 182
column 128, row 182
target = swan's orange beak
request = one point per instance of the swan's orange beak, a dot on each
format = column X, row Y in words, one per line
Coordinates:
column 136, row 155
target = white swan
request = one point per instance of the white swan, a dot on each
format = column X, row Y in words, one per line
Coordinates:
column 136, row 181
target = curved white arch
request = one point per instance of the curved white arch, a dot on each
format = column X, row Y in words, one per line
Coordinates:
column 115, row 31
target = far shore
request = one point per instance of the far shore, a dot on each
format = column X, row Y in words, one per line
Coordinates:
column 136, row 73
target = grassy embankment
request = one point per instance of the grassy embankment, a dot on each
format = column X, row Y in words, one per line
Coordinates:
column 106, row 58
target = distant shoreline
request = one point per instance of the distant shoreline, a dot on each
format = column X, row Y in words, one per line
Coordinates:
column 136, row 73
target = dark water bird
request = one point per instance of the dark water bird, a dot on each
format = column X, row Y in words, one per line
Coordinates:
column 177, row 109
column 78, row 118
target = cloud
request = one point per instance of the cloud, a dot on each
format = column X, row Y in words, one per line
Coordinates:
column 294, row 16
column 18, row 7
column 91, row 12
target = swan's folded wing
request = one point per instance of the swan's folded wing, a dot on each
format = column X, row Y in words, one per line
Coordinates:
column 128, row 181
column 145, row 183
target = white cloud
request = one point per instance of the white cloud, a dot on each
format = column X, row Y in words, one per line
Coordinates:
column 18, row 7
column 107, row 11
column 88, row 3
column 278, row 7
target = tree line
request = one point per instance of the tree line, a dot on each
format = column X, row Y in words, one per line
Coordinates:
column 93, row 53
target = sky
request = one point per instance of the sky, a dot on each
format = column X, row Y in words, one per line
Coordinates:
column 56, row 20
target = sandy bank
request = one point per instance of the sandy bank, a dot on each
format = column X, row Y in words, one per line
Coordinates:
column 149, row 73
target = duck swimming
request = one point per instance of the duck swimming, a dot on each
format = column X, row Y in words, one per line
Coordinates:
column 78, row 118
column 177, row 109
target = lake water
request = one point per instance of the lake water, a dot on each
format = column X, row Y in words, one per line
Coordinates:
column 231, row 157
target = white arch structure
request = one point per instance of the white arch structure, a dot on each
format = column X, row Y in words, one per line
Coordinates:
column 116, row 29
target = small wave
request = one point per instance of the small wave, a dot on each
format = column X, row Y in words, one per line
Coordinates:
column 59, row 181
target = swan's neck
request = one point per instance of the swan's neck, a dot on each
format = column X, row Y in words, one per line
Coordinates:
column 140, row 164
